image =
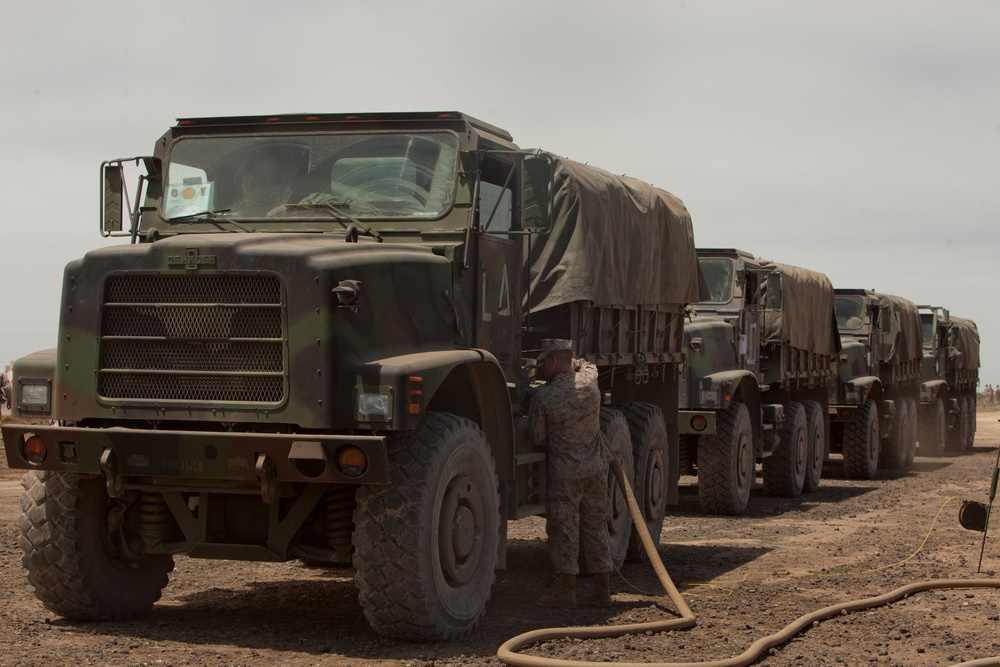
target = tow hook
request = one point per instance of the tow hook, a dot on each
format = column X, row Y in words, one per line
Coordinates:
column 109, row 464
column 268, row 481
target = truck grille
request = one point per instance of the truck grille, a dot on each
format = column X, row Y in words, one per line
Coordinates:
column 193, row 338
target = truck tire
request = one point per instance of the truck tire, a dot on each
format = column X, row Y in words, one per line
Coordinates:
column 893, row 455
column 933, row 429
column 861, row 442
column 73, row 559
column 727, row 463
column 785, row 469
column 958, row 436
column 970, row 442
column 912, row 430
column 649, row 456
column 426, row 544
column 816, row 456
column 614, row 426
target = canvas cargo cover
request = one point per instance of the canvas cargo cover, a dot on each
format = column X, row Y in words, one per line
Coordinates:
column 963, row 341
column 614, row 241
column 807, row 319
column 905, row 334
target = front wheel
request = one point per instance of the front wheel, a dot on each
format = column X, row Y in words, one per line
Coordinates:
column 933, row 429
column 861, row 442
column 74, row 549
column 727, row 463
column 426, row 543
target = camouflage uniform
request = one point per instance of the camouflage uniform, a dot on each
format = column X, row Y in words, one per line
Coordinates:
column 565, row 414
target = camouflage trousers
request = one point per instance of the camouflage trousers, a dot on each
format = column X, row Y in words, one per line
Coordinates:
column 576, row 516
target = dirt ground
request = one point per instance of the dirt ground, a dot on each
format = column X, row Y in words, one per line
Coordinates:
column 744, row 577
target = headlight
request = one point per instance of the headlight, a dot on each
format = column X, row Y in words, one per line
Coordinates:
column 34, row 396
column 373, row 405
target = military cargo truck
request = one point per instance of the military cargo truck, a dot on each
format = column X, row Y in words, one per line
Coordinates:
column 873, row 404
column 317, row 344
column 950, row 372
column 760, row 352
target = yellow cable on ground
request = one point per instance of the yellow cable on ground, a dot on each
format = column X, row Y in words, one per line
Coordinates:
column 724, row 592
column 508, row 651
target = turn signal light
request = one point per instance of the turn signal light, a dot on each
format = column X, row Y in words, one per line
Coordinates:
column 34, row 449
column 351, row 461
column 699, row 423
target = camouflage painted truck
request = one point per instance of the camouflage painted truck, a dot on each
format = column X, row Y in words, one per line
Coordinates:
column 950, row 369
column 760, row 352
column 873, row 404
column 317, row 345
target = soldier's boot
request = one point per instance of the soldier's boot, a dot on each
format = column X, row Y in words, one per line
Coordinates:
column 600, row 595
column 564, row 596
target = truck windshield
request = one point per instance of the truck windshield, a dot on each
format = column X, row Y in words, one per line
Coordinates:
column 719, row 276
column 312, row 177
column 927, row 327
column 850, row 312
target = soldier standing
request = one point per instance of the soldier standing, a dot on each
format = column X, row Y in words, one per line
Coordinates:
column 5, row 391
column 565, row 416
column 988, row 395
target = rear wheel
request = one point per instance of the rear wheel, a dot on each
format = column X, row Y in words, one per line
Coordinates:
column 958, row 436
column 911, row 428
column 816, row 456
column 615, row 429
column 933, row 429
column 649, row 456
column 785, row 469
column 970, row 441
column 75, row 550
column 893, row 455
column 970, row 431
column 727, row 463
column 426, row 543
column 861, row 443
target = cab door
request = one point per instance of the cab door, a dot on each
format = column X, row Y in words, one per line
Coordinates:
column 498, row 311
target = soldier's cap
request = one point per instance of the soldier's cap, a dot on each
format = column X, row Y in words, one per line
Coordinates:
column 554, row 345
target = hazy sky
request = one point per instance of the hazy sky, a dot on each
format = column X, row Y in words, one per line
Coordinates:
column 860, row 139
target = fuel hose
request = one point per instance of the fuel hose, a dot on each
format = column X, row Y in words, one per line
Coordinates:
column 508, row 650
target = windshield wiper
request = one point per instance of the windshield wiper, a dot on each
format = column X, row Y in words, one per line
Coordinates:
column 191, row 216
column 338, row 210
column 214, row 217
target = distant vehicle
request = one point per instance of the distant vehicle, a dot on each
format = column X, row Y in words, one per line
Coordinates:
column 873, row 405
column 760, row 356
column 950, row 378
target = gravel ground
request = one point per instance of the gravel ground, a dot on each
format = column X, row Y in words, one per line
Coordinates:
column 744, row 577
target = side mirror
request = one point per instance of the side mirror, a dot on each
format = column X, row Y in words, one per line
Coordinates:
column 113, row 175
column 536, row 181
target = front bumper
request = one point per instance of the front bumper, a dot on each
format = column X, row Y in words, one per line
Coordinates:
column 198, row 456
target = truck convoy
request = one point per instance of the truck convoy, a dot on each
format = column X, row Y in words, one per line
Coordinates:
column 318, row 344
column 950, row 371
column 760, row 354
column 873, row 405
